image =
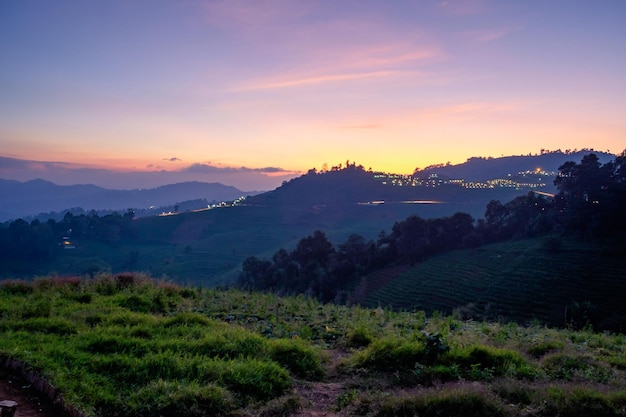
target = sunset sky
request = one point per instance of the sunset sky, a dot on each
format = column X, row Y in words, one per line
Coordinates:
column 272, row 88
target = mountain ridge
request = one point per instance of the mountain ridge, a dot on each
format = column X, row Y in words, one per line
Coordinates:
column 352, row 184
column 486, row 168
column 37, row 196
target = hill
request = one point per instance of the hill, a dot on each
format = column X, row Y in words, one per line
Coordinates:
column 209, row 246
column 484, row 169
column 21, row 199
column 554, row 280
column 354, row 185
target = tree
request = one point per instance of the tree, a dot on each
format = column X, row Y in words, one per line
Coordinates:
column 254, row 274
column 410, row 238
column 591, row 196
column 315, row 248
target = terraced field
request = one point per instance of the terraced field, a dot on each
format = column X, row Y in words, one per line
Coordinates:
column 520, row 281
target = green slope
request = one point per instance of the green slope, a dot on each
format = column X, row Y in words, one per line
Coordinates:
column 520, row 280
column 208, row 247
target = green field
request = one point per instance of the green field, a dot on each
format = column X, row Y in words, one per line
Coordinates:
column 520, row 280
column 209, row 247
column 126, row 345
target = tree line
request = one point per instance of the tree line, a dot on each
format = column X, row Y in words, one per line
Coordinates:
column 590, row 203
column 26, row 245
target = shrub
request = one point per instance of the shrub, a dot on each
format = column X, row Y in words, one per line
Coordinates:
column 462, row 401
column 16, row 287
column 84, row 298
column 540, row 349
column 429, row 374
column 514, row 392
column 188, row 319
column 127, row 318
column 229, row 344
column 137, row 303
column 259, row 380
column 175, row 398
column 300, row 358
column 577, row 402
column 125, row 280
column 35, row 308
column 575, row 367
column 485, row 362
column 105, row 285
column 63, row 283
column 390, row 354
column 359, row 337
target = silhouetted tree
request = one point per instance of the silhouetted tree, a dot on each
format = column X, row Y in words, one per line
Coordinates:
column 590, row 198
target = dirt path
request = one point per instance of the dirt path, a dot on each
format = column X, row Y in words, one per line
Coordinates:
column 321, row 399
column 29, row 403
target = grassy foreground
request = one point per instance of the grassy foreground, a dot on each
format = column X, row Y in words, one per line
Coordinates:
column 127, row 345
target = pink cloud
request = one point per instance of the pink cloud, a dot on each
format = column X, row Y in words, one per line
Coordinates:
column 321, row 79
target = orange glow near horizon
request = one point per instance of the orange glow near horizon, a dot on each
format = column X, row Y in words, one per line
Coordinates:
column 273, row 88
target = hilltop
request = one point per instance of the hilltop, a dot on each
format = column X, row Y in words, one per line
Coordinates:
column 484, row 169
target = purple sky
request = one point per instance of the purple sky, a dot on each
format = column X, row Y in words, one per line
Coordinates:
column 146, row 86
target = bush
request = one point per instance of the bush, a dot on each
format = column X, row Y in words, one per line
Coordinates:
column 577, row 402
column 36, row 308
column 359, row 337
column 540, row 349
column 230, row 343
column 575, row 367
column 16, row 287
column 188, row 319
column 300, row 358
column 462, row 401
column 390, row 354
column 137, row 303
column 174, row 398
column 256, row 379
column 485, row 362
column 125, row 280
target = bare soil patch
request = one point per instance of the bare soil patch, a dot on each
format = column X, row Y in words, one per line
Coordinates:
column 29, row 402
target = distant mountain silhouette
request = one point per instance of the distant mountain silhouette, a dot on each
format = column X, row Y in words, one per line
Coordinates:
column 349, row 185
column 483, row 169
column 21, row 199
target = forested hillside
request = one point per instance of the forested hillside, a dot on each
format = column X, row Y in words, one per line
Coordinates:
column 589, row 207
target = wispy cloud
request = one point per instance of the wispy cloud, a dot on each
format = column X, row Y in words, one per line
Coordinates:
column 172, row 159
column 347, row 63
column 487, row 35
column 209, row 168
column 321, row 79
column 304, row 44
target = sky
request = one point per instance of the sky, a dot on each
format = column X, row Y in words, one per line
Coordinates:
column 252, row 92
